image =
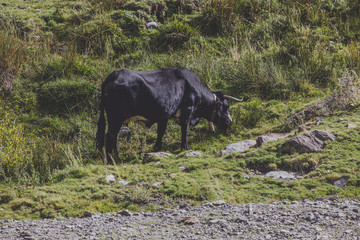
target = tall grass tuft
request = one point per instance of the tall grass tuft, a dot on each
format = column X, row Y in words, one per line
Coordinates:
column 12, row 56
column 16, row 150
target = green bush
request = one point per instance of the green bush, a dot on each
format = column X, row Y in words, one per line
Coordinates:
column 129, row 21
column 12, row 56
column 16, row 150
column 174, row 34
column 252, row 114
column 67, row 95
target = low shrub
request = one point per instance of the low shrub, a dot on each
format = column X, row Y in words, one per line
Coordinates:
column 66, row 95
column 174, row 34
column 12, row 56
column 130, row 22
column 16, row 150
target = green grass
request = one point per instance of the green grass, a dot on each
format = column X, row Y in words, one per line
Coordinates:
column 279, row 56
column 75, row 190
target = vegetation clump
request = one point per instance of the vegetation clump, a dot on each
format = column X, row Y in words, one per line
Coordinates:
column 280, row 57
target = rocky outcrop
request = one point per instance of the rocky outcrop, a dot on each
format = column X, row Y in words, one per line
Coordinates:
column 193, row 154
column 282, row 175
column 240, row 146
column 341, row 100
column 308, row 142
column 270, row 137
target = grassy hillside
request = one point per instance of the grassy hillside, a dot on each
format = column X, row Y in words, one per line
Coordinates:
column 280, row 56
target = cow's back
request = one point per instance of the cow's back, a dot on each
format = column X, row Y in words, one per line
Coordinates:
column 153, row 94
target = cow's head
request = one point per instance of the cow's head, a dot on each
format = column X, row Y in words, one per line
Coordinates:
column 222, row 117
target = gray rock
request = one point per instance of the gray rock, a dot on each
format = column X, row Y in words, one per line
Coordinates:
column 182, row 168
column 270, row 137
column 193, row 154
column 183, row 205
column 173, row 175
column 157, row 155
column 345, row 81
column 308, row 142
column 351, row 125
column 123, row 182
column 240, row 146
column 87, row 214
column 241, row 220
column 190, row 220
column 125, row 212
column 218, row 221
column 151, row 25
column 110, row 178
column 281, row 175
column 340, row 183
column 219, row 203
column 157, row 184
column 302, row 128
column 330, row 43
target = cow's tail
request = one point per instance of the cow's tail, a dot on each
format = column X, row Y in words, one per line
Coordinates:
column 100, row 134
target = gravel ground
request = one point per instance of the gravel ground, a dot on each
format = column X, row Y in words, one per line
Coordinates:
column 324, row 218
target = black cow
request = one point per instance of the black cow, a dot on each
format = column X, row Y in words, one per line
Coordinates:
column 158, row 96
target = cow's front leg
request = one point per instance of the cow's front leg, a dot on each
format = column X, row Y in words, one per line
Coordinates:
column 160, row 133
column 184, row 123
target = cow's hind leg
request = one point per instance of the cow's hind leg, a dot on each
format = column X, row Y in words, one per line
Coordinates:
column 160, row 133
column 111, row 140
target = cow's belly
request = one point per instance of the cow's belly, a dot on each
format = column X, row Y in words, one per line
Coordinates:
column 142, row 120
column 136, row 119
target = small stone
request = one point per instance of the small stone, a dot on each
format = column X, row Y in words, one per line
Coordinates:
column 182, row 168
column 124, row 183
column 219, row 203
column 250, row 210
column 240, row 146
column 193, row 154
column 157, row 184
column 269, row 137
column 87, row 214
column 340, row 183
column 281, row 175
column 288, row 222
column 218, row 221
column 125, row 212
column 151, row 25
column 148, row 214
column 283, row 231
column 173, row 175
column 183, row 204
column 189, row 220
column 157, row 155
column 301, row 128
column 241, row 220
column 351, row 125
column 110, row 178
column 221, row 153
column 340, row 120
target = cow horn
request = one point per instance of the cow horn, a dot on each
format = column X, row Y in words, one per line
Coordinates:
column 233, row 98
